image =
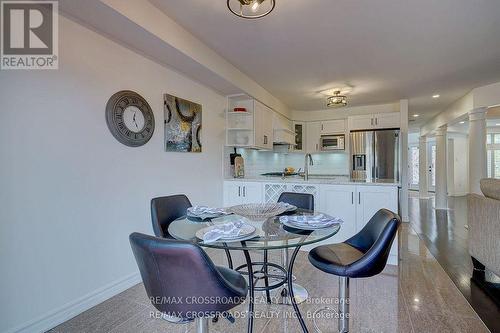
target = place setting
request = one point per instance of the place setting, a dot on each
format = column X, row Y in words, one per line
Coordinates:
column 310, row 222
column 234, row 231
column 202, row 213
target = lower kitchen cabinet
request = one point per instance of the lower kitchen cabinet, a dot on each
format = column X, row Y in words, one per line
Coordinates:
column 237, row 193
column 338, row 201
column 372, row 198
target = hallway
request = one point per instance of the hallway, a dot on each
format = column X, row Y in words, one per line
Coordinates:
column 445, row 235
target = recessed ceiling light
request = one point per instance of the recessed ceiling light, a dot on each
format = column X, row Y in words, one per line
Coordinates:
column 497, row 124
column 462, row 122
column 436, row 96
column 415, row 115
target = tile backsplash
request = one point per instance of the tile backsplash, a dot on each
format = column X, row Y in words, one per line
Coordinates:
column 258, row 162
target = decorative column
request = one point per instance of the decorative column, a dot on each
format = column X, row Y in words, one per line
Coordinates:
column 477, row 148
column 423, row 168
column 403, row 109
column 441, row 177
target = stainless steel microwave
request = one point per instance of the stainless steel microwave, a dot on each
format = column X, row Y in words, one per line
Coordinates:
column 332, row 142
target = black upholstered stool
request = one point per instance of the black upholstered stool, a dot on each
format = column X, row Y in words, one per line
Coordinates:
column 182, row 271
column 165, row 210
column 363, row 255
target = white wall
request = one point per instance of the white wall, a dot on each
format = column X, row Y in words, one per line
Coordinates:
column 70, row 193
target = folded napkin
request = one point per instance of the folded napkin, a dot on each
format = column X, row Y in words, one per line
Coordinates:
column 286, row 205
column 231, row 229
column 204, row 211
column 315, row 221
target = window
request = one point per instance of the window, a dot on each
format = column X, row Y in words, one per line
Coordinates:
column 493, row 155
column 414, row 163
column 433, row 165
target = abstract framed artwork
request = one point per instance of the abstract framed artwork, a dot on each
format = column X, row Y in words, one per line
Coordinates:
column 182, row 125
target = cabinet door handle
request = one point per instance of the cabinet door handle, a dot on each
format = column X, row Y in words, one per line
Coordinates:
column 244, row 191
column 352, row 198
column 239, row 191
column 372, row 121
column 317, row 147
column 376, row 121
column 359, row 198
column 265, row 139
column 321, row 126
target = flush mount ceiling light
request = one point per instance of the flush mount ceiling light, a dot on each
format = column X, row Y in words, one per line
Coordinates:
column 436, row 96
column 337, row 100
column 251, row 9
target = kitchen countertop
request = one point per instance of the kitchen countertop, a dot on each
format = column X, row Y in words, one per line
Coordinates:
column 339, row 180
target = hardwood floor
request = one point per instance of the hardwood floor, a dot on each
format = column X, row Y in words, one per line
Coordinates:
column 445, row 235
column 416, row 296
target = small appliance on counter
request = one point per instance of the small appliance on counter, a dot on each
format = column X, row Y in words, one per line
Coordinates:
column 239, row 167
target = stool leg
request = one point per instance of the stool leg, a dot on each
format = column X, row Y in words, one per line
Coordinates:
column 201, row 325
column 343, row 304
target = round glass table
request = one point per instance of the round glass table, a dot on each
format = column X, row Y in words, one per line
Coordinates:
column 270, row 234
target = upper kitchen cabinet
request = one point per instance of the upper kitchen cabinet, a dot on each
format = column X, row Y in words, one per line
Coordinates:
column 388, row 120
column 249, row 123
column 313, row 136
column 374, row 121
column 333, row 127
column 299, row 145
column 263, row 126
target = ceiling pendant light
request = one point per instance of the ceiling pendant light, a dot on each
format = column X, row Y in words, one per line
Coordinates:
column 337, row 100
column 251, row 9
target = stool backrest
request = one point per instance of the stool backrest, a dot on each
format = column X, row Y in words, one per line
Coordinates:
column 301, row 200
column 375, row 241
column 164, row 210
column 178, row 274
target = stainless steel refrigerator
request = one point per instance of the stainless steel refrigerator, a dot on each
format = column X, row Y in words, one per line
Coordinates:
column 376, row 155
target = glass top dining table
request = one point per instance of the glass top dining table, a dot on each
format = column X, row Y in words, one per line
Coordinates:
column 270, row 233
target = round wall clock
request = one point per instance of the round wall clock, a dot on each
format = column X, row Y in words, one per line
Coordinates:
column 130, row 118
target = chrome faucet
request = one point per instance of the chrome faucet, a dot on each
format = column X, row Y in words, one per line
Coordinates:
column 308, row 160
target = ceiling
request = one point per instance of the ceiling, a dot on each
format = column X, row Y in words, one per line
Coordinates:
column 386, row 52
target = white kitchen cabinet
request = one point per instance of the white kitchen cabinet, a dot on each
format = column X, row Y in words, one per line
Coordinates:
column 388, row 120
column 338, row 201
column 313, row 134
column 361, row 122
column 372, row 198
column 263, row 126
column 272, row 191
column 374, row 121
column 252, row 127
column 237, row 193
column 333, row 127
column 300, row 137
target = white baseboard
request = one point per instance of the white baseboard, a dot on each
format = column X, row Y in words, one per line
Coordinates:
column 71, row 309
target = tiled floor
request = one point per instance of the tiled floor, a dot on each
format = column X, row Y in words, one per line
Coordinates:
column 417, row 296
column 444, row 233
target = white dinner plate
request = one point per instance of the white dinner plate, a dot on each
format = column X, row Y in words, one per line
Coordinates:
column 305, row 226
